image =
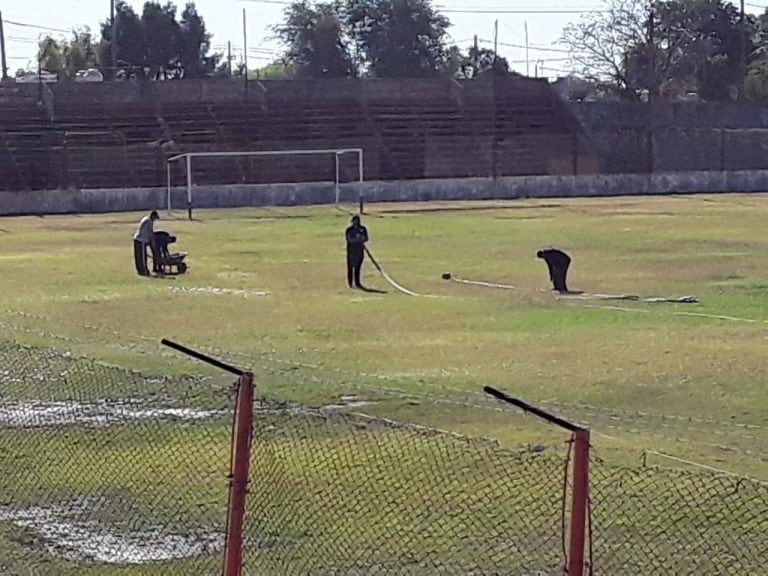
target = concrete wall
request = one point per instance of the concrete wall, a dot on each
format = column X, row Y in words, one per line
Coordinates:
column 232, row 196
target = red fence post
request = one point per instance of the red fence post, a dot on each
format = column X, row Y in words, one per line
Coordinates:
column 580, row 502
column 238, row 488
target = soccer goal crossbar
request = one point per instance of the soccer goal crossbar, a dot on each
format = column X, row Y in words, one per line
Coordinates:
column 189, row 157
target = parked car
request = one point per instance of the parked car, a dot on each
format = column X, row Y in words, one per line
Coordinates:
column 90, row 75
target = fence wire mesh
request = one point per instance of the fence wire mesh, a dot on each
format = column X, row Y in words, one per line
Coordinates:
column 677, row 522
column 107, row 471
column 349, row 494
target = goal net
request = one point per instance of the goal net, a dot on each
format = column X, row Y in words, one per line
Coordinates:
column 197, row 169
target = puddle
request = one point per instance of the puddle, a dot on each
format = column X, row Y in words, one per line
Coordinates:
column 67, row 536
column 38, row 414
column 218, row 291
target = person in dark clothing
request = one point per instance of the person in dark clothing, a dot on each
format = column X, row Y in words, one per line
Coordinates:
column 356, row 236
column 557, row 262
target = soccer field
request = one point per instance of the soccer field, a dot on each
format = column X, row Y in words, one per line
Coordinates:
column 267, row 287
column 266, row 290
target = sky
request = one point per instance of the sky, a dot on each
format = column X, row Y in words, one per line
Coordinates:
column 28, row 20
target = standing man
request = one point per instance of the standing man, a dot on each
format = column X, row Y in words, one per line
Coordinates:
column 356, row 236
column 143, row 237
column 557, row 262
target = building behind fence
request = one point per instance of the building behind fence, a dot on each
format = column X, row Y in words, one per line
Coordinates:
column 108, row 471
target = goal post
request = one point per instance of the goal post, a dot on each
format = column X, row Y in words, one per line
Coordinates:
column 188, row 157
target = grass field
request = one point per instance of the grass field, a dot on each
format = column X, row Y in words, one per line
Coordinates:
column 266, row 290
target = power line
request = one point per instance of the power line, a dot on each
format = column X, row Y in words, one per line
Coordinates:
column 541, row 60
column 530, row 47
column 460, row 10
column 25, row 25
column 503, row 10
column 539, row 49
column 21, row 40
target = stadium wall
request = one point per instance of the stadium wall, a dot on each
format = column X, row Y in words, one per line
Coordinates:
column 233, row 196
column 119, row 135
column 681, row 136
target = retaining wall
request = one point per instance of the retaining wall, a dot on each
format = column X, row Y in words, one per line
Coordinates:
column 232, row 196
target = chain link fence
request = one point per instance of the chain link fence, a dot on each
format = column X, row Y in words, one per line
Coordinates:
column 107, row 471
column 349, row 494
column 676, row 522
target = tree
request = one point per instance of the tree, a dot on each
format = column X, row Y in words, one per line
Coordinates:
column 129, row 39
column 756, row 82
column 712, row 44
column 158, row 45
column 599, row 42
column 66, row 57
column 663, row 49
column 280, row 69
column 397, row 38
column 195, row 42
column 161, row 37
column 315, row 40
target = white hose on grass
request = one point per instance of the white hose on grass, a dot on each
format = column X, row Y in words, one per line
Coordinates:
column 388, row 278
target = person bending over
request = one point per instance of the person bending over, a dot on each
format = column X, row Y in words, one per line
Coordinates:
column 557, row 262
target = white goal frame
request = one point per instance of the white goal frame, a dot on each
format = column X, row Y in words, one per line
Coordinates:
column 189, row 156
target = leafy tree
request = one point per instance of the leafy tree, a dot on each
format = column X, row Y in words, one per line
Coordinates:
column 277, row 70
column 756, row 82
column 663, row 49
column 315, row 40
column 158, row 45
column 128, row 37
column 397, row 38
column 195, row 42
column 66, row 57
column 161, row 36
column 712, row 43
column 756, row 78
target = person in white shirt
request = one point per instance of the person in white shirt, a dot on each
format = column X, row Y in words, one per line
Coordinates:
column 143, row 237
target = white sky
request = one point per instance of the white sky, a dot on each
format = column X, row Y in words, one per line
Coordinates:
column 224, row 21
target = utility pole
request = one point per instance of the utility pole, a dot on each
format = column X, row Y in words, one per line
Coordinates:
column 650, row 150
column 742, row 55
column 652, row 47
column 229, row 57
column 113, row 31
column 2, row 51
column 494, row 80
column 527, row 62
column 245, row 53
